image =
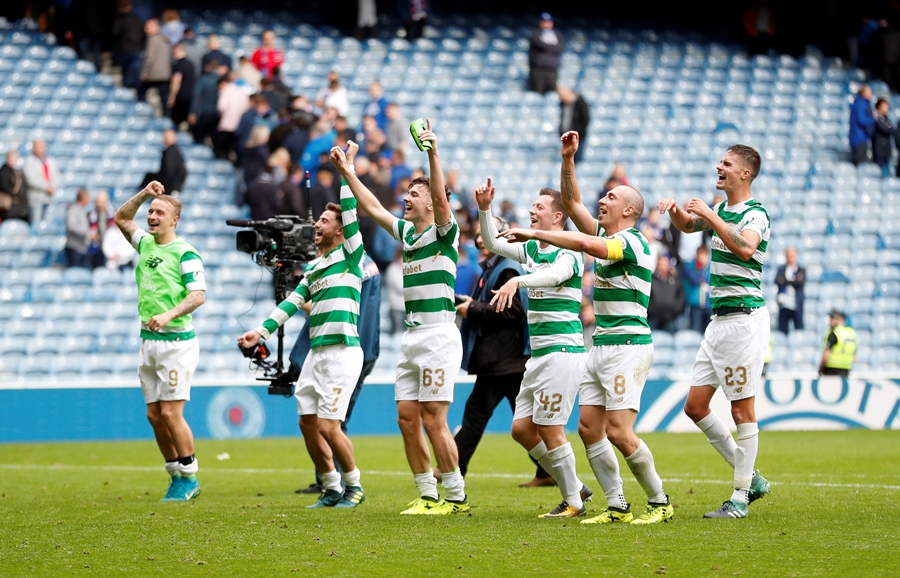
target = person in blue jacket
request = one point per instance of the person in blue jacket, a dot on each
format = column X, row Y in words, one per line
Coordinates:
column 862, row 124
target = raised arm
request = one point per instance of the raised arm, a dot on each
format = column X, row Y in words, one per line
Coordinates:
column 364, row 196
column 571, row 195
column 599, row 247
column 125, row 215
column 353, row 245
column 442, row 212
column 484, row 194
column 698, row 216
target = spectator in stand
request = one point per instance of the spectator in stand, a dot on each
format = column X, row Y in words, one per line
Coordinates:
column 323, row 191
column 399, row 169
column 258, row 113
column 41, row 176
column 254, row 160
column 117, row 250
column 334, row 95
column 214, row 54
column 193, row 50
column 397, row 130
column 78, row 231
column 666, row 297
column 181, row 89
column 101, row 219
column 172, row 26
column 366, row 20
column 649, row 225
column 321, row 139
column 508, row 213
column 374, row 141
column 296, row 136
column 267, row 90
column 204, row 112
column 15, row 204
column 93, row 22
column 280, row 88
column 574, row 115
column 885, row 53
column 172, row 169
column 128, row 43
column 248, row 77
column 232, row 103
column 264, row 197
column 862, row 125
column 414, row 16
column 882, row 137
column 545, row 48
column 268, row 56
column 695, row 275
column 292, row 192
column 376, row 106
column 790, row 279
column 758, row 25
column 280, row 161
column 156, row 69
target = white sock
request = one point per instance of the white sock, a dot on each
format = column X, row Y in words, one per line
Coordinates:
column 603, row 462
column 562, row 461
column 745, row 458
column 539, row 453
column 172, row 468
column 190, row 469
column 719, row 436
column 454, row 485
column 426, row 483
column 352, row 478
column 644, row 469
column 332, row 481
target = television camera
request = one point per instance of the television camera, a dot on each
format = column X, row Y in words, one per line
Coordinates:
column 283, row 244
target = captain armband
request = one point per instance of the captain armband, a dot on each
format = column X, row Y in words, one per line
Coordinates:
column 614, row 249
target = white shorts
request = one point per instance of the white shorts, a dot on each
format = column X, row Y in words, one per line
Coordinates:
column 732, row 353
column 327, row 381
column 430, row 357
column 615, row 376
column 166, row 369
column 549, row 388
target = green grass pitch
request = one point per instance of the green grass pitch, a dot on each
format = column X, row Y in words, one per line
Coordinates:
column 92, row 509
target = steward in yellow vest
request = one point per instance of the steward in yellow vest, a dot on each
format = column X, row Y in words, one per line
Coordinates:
column 840, row 347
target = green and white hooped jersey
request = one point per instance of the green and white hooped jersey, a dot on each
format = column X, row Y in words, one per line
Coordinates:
column 165, row 275
column 622, row 292
column 733, row 282
column 429, row 271
column 333, row 282
column 554, row 323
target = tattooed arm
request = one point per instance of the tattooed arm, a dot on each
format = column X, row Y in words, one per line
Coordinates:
column 571, row 195
column 193, row 300
column 684, row 221
column 125, row 215
column 743, row 244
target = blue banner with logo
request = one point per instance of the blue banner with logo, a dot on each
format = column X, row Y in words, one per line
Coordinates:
column 114, row 412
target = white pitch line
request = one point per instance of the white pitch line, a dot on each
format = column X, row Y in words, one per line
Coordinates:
column 299, row 471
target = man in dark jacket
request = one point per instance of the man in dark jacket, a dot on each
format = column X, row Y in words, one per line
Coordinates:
column 666, row 296
column 495, row 349
column 11, row 184
column 172, row 170
column 790, row 279
column 545, row 47
column 574, row 115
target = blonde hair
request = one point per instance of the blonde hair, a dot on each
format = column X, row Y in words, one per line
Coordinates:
column 280, row 157
column 171, row 201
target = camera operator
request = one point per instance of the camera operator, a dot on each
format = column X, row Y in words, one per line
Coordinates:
column 332, row 283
